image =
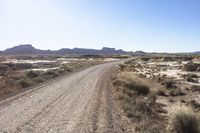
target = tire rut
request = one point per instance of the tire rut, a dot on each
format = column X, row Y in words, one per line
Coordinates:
column 48, row 107
column 80, row 103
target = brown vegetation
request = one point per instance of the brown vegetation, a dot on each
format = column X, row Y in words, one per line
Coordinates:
column 191, row 66
column 184, row 120
column 15, row 77
column 139, row 103
column 151, row 106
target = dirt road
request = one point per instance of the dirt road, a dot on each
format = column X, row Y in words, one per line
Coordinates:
column 79, row 103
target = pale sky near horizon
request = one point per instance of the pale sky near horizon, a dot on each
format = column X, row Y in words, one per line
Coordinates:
column 148, row 25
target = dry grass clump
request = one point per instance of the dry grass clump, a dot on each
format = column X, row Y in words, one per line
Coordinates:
column 128, row 65
column 139, row 103
column 161, row 93
column 172, row 89
column 184, row 120
column 194, row 105
column 132, row 95
column 191, row 66
column 136, row 108
column 66, row 68
column 33, row 74
column 195, row 88
column 24, row 82
column 145, row 58
column 50, row 74
column 169, row 58
column 176, row 58
column 151, row 98
column 169, row 84
column 176, row 92
column 138, row 88
column 122, row 67
column 191, row 77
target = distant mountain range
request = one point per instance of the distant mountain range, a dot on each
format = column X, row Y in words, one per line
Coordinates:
column 29, row 49
column 198, row 52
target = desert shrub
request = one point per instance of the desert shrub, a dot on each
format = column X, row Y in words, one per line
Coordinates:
column 128, row 92
column 190, row 75
column 159, row 79
column 161, row 93
column 168, row 58
column 191, row 66
column 139, row 88
column 137, row 109
column 138, row 102
column 122, row 67
column 24, row 82
column 128, row 62
column 66, row 68
column 145, row 58
column 185, row 120
column 194, row 104
column 150, row 126
column 195, row 88
column 61, row 71
column 194, row 76
column 33, row 74
column 3, row 69
column 13, row 79
column 187, row 58
column 151, row 98
column 39, row 79
column 16, row 76
column 50, row 74
column 176, row 92
column 118, row 81
column 190, row 79
column 169, row 84
column 22, row 66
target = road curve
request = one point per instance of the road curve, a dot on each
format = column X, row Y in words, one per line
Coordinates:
column 79, row 103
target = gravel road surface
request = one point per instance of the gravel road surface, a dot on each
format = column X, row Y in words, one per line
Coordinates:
column 77, row 103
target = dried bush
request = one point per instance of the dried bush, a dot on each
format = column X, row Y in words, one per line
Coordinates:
column 161, row 93
column 190, row 79
column 169, row 84
column 185, row 120
column 139, row 88
column 176, row 92
column 191, row 66
column 33, row 74
column 195, row 88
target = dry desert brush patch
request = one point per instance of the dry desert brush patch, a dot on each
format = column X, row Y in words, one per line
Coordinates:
column 191, row 66
column 154, row 110
column 184, row 120
column 138, row 102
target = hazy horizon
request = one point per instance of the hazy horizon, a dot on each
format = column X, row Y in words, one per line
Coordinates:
column 131, row 25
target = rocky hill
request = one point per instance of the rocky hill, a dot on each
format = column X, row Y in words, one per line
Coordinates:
column 29, row 49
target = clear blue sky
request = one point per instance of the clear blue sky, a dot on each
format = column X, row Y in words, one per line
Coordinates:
column 148, row 25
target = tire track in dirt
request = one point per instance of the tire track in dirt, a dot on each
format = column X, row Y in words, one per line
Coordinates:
column 79, row 103
column 47, row 108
